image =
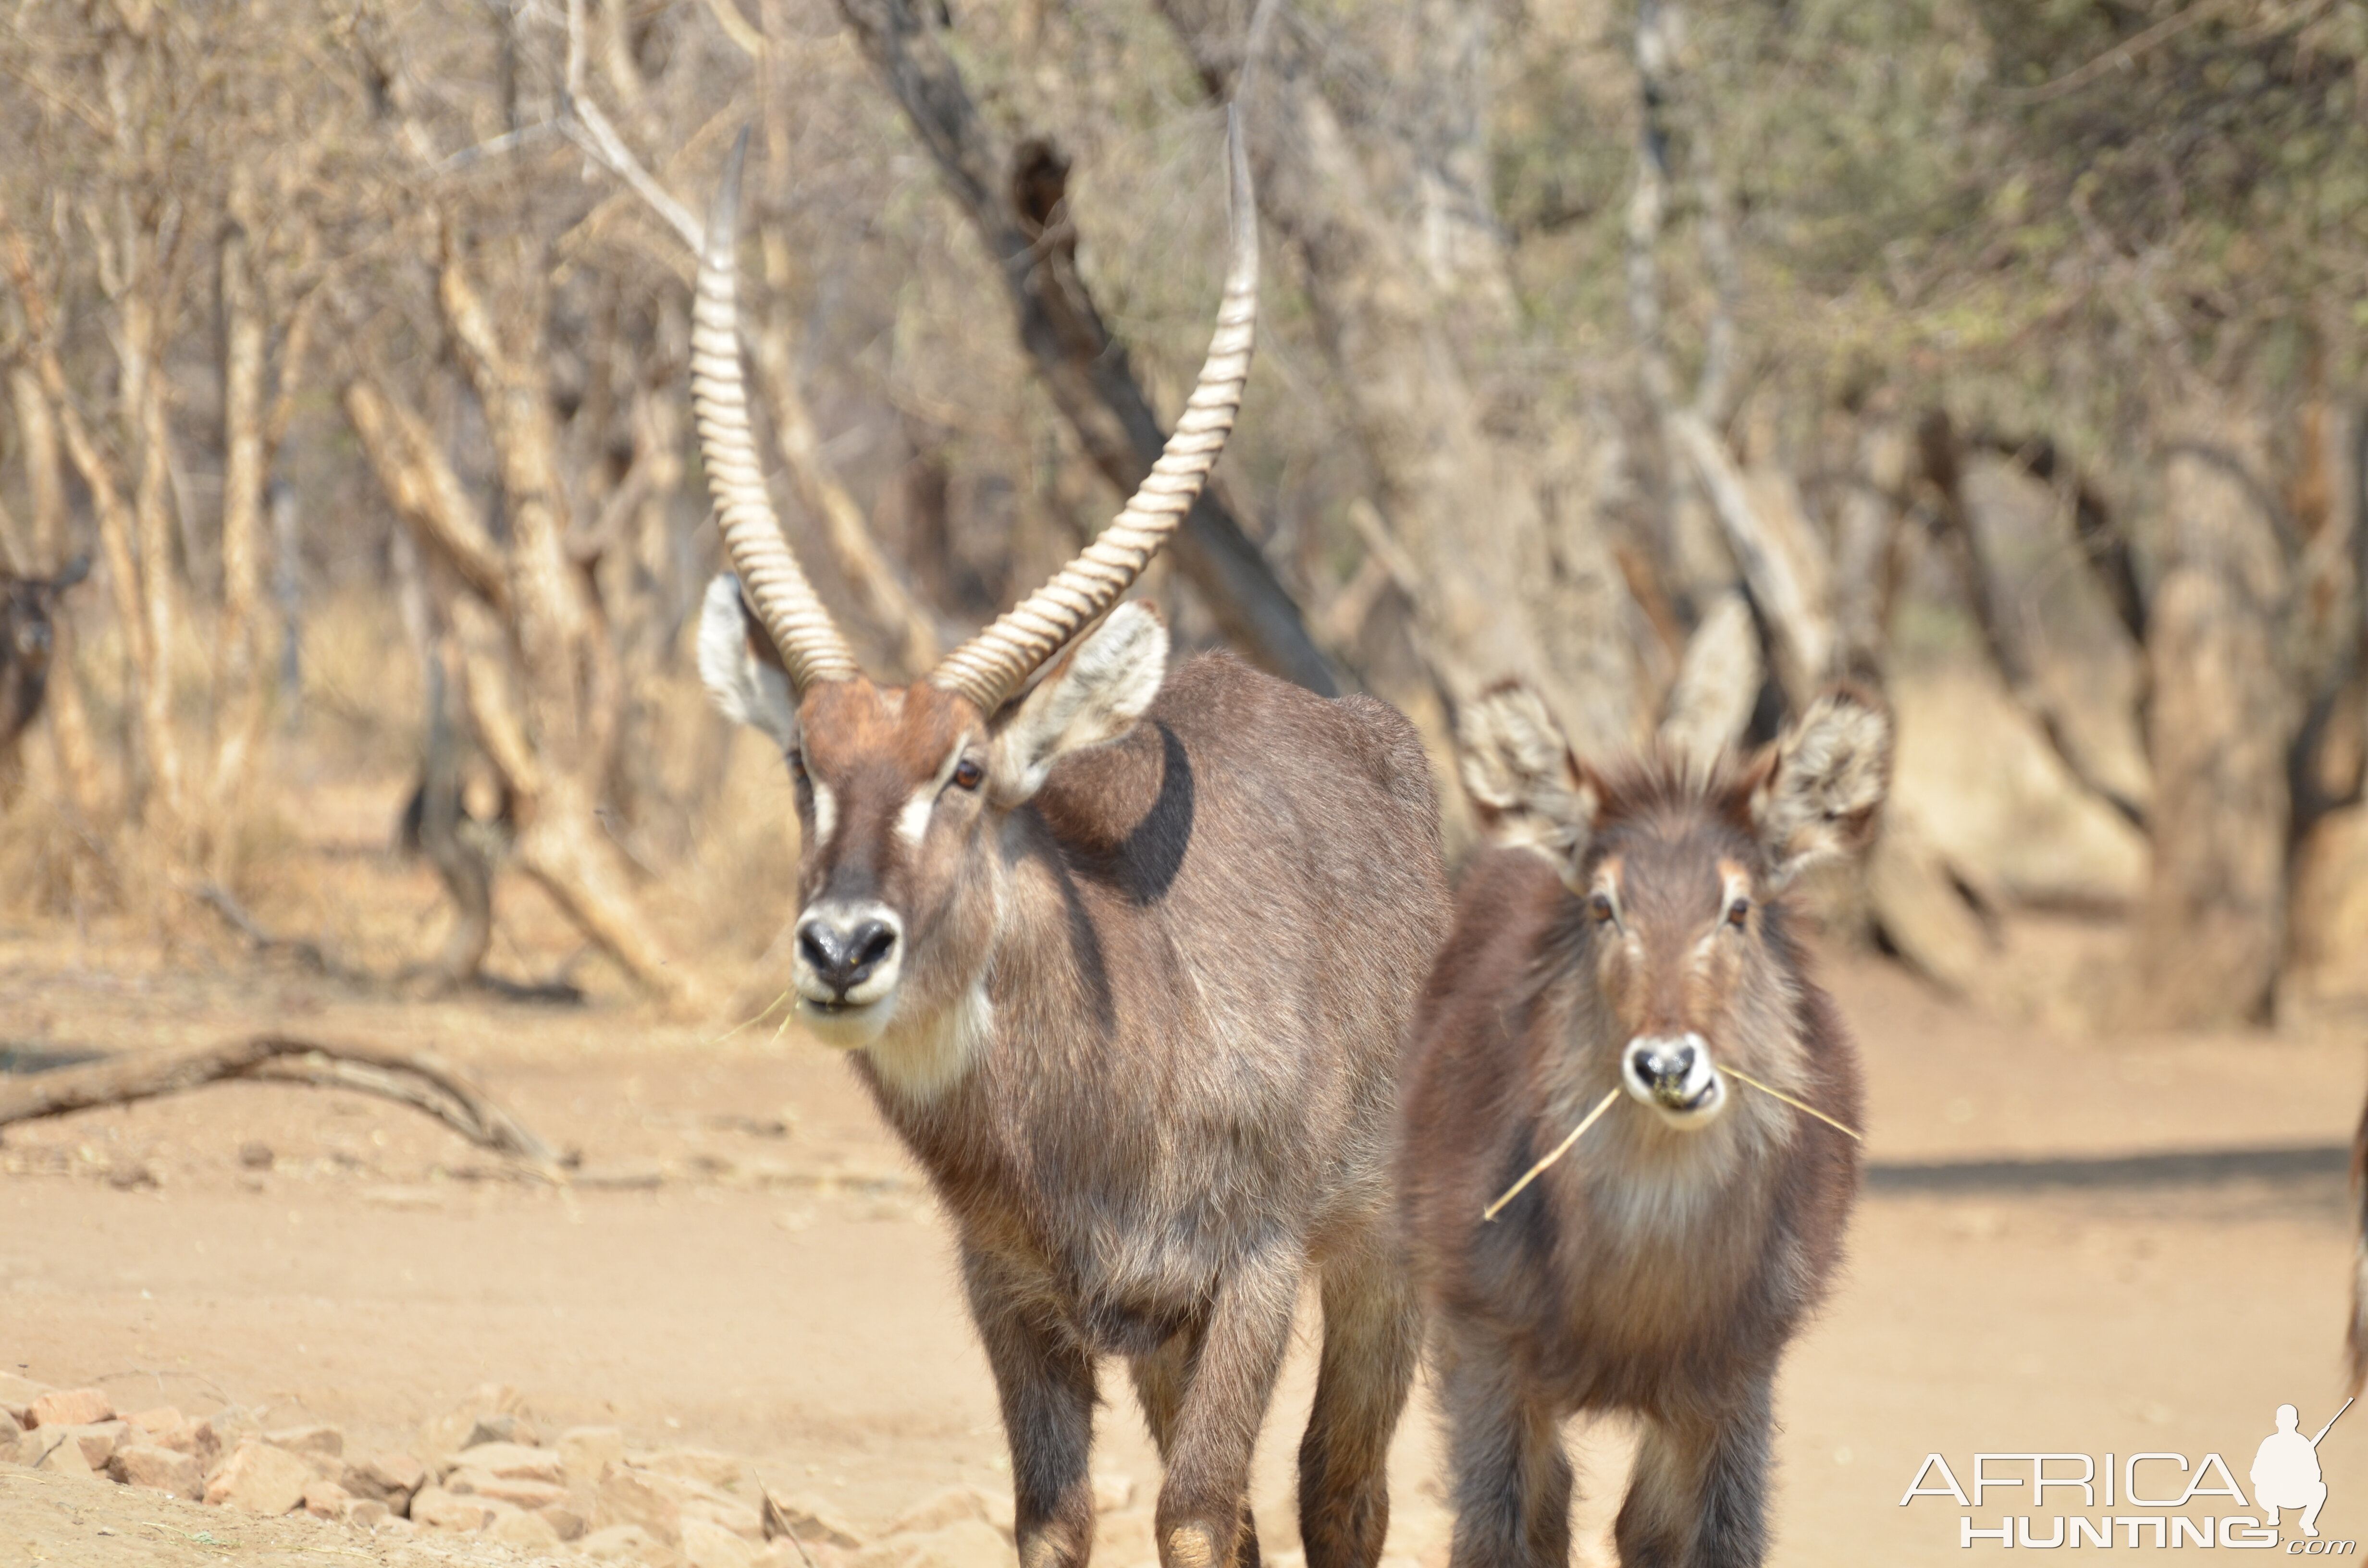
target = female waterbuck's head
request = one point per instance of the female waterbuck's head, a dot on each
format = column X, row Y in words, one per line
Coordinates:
column 1678, row 876
column 904, row 791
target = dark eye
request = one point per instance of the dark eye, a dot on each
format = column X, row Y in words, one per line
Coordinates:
column 1598, row 908
column 967, row 774
column 1738, row 911
column 797, row 761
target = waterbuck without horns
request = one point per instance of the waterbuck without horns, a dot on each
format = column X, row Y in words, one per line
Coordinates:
column 1125, row 960
column 1629, row 941
column 28, row 606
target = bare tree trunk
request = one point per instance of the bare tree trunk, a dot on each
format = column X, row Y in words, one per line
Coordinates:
column 1509, row 590
column 2211, row 936
column 143, row 416
column 528, row 614
column 2327, row 902
column 2001, row 633
column 238, row 689
column 446, row 835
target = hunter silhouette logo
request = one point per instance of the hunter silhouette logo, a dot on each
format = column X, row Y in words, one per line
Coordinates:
column 2286, row 1470
column 2139, row 1500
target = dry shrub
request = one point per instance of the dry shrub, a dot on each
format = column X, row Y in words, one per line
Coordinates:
column 739, row 882
column 365, row 705
column 51, row 866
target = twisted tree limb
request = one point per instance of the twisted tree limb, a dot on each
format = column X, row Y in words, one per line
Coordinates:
column 1011, row 201
column 425, row 1082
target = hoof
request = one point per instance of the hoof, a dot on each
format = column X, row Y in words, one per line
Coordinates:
column 1190, row 1546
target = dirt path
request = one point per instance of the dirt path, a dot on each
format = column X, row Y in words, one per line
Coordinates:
column 749, row 1266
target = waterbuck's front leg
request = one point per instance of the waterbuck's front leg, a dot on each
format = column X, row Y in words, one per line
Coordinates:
column 1699, row 1496
column 1044, row 1378
column 1203, row 1503
column 1160, row 1379
column 1512, row 1479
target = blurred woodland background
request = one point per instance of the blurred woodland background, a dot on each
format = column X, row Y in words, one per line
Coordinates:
column 2006, row 355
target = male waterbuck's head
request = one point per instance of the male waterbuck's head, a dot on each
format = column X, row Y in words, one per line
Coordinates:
column 903, row 791
column 1678, row 879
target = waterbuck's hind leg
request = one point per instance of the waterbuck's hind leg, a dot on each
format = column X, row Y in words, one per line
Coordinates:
column 1373, row 1333
column 1203, row 1513
column 1699, row 1491
column 1044, row 1381
column 1511, row 1477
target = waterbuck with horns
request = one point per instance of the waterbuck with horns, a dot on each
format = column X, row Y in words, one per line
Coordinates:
column 1125, row 958
column 1626, row 951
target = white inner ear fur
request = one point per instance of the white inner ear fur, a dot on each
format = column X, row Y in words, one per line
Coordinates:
column 1832, row 771
column 1094, row 694
column 1519, row 770
column 748, row 691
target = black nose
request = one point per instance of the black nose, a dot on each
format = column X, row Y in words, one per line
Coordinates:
column 1666, row 1068
column 846, row 956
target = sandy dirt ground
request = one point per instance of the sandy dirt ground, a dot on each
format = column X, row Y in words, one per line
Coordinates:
column 746, row 1263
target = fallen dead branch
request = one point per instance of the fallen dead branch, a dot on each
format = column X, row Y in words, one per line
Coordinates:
column 412, row 1078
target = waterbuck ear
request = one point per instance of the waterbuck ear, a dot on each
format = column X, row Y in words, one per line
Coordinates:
column 749, row 687
column 1095, row 693
column 1815, row 792
column 1530, row 790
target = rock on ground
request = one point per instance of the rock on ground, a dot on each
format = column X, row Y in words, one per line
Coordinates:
column 584, row 1451
column 530, row 1532
column 969, row 1543
column 152, row 1425
column 694, row 1464
column 812, row 1520
column 218, row 1433
column 164, row 1469
column 259, row 1479
column 706, row 1545
column 322, row 1442
column 54, row 1451
column 437, row 1509
column 495, row 1412
column 951, row 1506
column 388, row 1478
column 515, row 1462
column 629, row 1496
column 70, row 1407
column 467, row 1481
column 625, row 1543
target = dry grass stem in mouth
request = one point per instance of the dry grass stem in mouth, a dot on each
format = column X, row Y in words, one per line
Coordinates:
column 1559, row 1151
column 1796, row 1105
column 743, row 1023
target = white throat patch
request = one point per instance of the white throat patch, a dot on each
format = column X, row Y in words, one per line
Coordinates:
column 922, row 1059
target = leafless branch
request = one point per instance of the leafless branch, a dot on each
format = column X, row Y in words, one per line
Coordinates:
column 422, row 1082
column 1084, row 370
column 584, row 123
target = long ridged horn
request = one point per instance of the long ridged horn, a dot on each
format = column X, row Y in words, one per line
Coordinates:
column 775, row 589
column 993, row 664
